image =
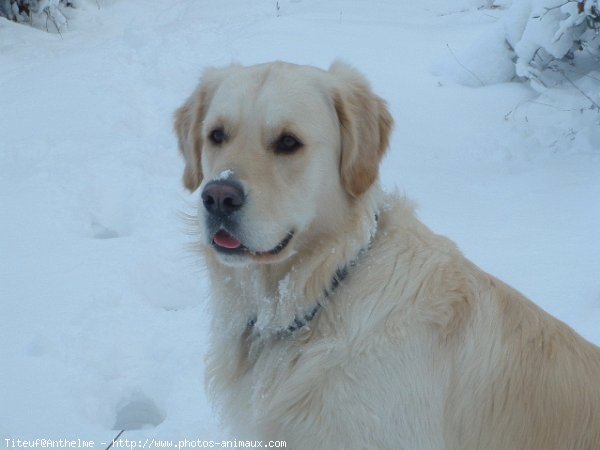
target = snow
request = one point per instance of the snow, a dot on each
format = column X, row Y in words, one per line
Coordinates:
column 224, row 175
column 103, row 302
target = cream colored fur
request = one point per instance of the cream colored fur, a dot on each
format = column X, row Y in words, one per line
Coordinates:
column 417, row 348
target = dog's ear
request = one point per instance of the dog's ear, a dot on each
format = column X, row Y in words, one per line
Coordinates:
column 190, row 142
column 365, row 124
column 188, row 127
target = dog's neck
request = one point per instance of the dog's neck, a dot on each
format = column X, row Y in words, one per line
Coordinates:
column 304, row 321
column 278, row 299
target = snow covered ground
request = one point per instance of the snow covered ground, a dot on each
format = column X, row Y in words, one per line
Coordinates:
column 101, row 300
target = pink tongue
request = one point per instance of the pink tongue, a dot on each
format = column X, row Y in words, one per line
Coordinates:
column 224, row 239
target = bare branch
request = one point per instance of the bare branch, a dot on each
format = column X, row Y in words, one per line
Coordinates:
column 463, row 66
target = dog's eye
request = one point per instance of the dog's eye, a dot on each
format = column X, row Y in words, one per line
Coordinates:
column 287, row 144
column 217, row 136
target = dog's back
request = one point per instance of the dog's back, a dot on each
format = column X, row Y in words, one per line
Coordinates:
column 541, row 392
column 517, row 379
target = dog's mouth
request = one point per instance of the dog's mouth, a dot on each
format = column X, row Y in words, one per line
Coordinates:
column 226, row 243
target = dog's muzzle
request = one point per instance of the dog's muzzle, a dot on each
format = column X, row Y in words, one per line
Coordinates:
column 222, row 199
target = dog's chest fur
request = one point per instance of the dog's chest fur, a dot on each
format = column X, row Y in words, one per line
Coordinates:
column 356, row 348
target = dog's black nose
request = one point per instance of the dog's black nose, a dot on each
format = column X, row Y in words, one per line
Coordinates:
column 222, row 197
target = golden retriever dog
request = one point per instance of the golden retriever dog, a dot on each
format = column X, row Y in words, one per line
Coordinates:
column 339, row 321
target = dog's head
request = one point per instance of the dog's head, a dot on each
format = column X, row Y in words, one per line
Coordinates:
column 275, row 147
